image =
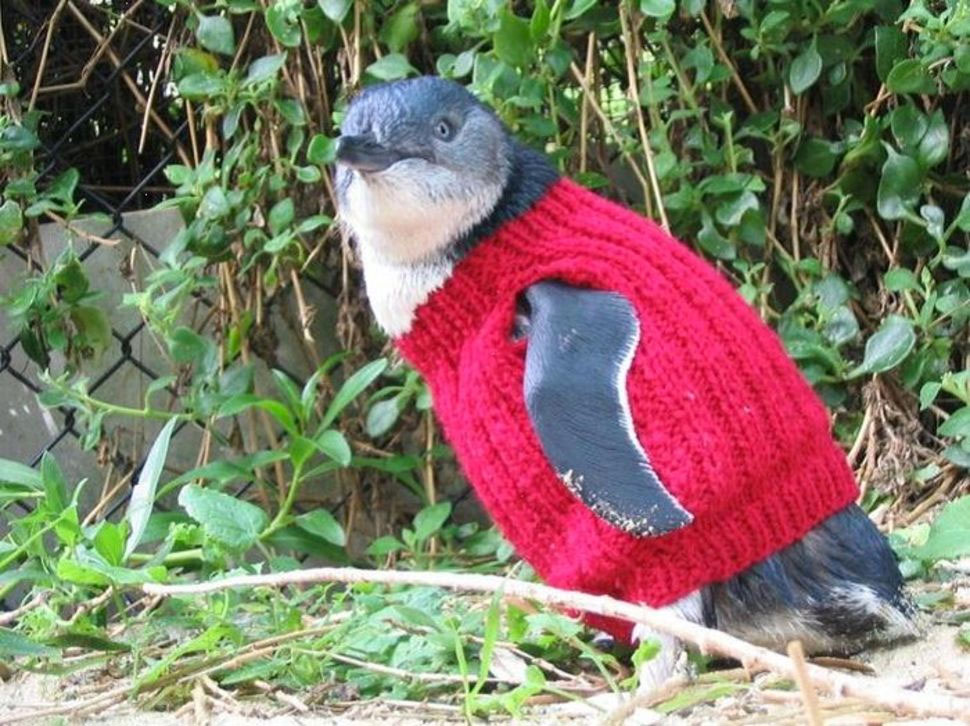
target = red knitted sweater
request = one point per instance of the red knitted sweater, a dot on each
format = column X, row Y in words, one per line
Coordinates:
column 731, row 427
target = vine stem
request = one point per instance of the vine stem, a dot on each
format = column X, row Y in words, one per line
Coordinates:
column 878, row 691
column 279, row 521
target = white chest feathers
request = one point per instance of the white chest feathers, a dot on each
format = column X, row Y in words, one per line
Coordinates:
column 396, row 290
column 402, row 214
column 404, row 228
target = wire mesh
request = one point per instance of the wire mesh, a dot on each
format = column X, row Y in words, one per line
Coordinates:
column 93, row 66
column 89, row 66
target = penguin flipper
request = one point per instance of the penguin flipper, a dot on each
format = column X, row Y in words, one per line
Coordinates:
column 581, row 344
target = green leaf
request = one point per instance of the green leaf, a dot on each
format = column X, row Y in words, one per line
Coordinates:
column 730, row 212
column 908, row 126
column 62, row 188
column 14, row 644
column 429, row 520
column 492, row 627
column 11, row 222
column 18, row 138
column 291, row 110
column 512, row 41
column 541, row 17
column 928, row 394
column 891, row 46
column 264, row 68
column 109, row 542
column 958, row 454
column 55, row 486
column 299, row 540
column 88, row 642
column 142, row 499
column 887, row 347
column 14, row 472
column 333, row 443
column 187, row 346
column 579, row 8
column 712, row 241
column 224, row 518
column 910, row 76
column 899, row 278
column 215, row 33
column 963, row 216
column 193, row 60
column 72, row 282
column 308, row 175
column 214, row 204
column 281, row 216
column 321, row 150
column 805, row 69
column 336, row 10
column 957, row 425
column 383, row 546
column 657, row 8
column 949, row 534
column 352, row 388
column 93, row 327
column 230, row 122
column 401, row 29
column 71, row 570
column 301, row 449
column 382, row 416
column 201, row 86
column 282, row 27
column 900, row 186
column 314, row 222
column 816, row 157
column 935, row 144
column 391, row 67
column 322, row 523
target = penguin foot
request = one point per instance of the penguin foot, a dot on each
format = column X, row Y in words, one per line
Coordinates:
column 671, row 661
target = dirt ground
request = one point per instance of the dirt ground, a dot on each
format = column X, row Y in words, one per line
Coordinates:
column 936, row 663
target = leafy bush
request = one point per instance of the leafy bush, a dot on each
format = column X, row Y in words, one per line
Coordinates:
column 813, row 150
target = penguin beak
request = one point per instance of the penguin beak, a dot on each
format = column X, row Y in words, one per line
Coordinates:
column 365, row 154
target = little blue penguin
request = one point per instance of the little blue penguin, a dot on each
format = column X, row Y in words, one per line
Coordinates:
column 629, row 422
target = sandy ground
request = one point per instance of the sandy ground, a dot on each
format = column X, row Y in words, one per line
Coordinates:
column 935, row 663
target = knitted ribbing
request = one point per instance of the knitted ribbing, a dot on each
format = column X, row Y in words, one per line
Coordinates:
column 730, row 425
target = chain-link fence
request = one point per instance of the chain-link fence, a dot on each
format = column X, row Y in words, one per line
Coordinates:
column 89, row 69
column 98, row 72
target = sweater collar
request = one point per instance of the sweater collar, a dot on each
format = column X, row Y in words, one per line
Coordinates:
column 487, row 279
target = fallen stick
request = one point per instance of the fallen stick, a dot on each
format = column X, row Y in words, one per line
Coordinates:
column 797, row 654
column 873, row 690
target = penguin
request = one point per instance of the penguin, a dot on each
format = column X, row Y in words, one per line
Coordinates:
column 631, row 425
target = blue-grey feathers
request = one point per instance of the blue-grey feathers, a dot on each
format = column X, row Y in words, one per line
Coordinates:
column 580, row 347
column 838, row 590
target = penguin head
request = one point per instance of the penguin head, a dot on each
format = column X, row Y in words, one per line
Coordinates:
column 419, row 163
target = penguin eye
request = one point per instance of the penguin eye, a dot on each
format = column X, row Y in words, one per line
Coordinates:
column 443, row 129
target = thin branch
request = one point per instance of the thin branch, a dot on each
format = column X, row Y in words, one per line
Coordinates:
column 92, row 62
column 132, row 86
column 611, row 129
column 107, row 241
column 726, row 60
column 12, row 615
column 874, row 690
column 797, row 654
column 166, row 53
column 51, row 26
column 584, row 106
column 634, row 94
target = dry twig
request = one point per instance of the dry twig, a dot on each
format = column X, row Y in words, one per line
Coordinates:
column 874, row 690
column 797, row 654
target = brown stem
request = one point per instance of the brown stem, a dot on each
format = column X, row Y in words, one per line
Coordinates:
column 874, row 690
